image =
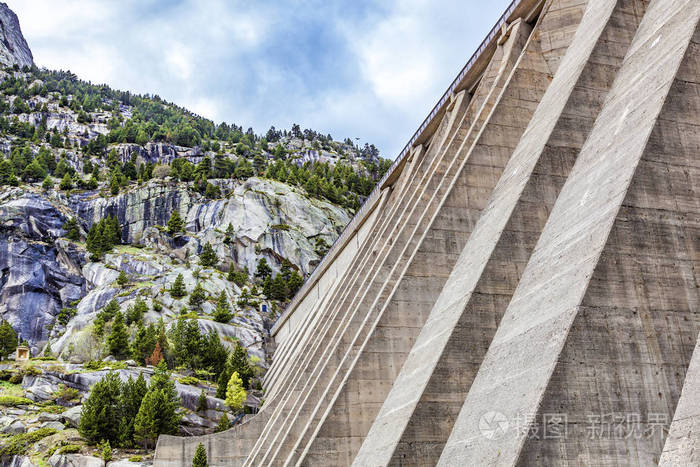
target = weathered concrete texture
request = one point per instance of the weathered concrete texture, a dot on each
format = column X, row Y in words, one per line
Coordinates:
column 609, row 279
column 430, row 390
column 535, row 254
column 683, row 440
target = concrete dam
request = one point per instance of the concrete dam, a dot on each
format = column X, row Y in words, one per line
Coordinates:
column 521, row 288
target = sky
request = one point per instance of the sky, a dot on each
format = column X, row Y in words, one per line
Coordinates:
column 355, row 68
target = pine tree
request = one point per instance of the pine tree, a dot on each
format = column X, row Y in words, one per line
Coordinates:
column 263, row 270
column 113, row 231
column 213, row 354
column 200, row 457
column 103, row 236
column 212, row 191
column 294, row 283
column 66, row 182
column 146, row 426
column 131, row 397
column 207, row 257
column 72, row 230
column 62, row 168
column 106, row 451
column 178, row 289
column 162, row 338
column 101, row 411
column 175, row 223
column 144, row 343
column 95, row 242
column 111, row 309
column 238, row 277
column 135, row 313
column 235, row 394
column 189, row 346
column 197, row 296
column 123, row 279
column 286, row 269
column 114, row 184
column 222, row 314
column 48, row 353
column 278, row 288
column 202, row 405
column 158, row 411
column 240, row 363
column 8, row 339
column 237, row 362
column 118, row 340
column 267, row 287
column 223, row 424
column 229, row 233
column 33, row 172
column 7, row 173
column 222, row 381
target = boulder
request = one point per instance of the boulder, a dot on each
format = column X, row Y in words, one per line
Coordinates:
column 21, row 461
column 68, row 436
column 14, row 428
column 55, row 425
column 49, row 417
column 6, row 420
column 71, row 417
column 75, row 460
column 40, row 387
column 192, row 424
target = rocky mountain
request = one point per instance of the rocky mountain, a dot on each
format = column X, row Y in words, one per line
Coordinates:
column 132, row 229
column 13, row 48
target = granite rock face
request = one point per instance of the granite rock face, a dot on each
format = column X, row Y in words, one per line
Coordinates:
column 40, row 275
column 13, row 47
column 266, row 215
column 42, row 272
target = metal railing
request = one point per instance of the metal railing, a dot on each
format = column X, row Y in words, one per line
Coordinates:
column 374, row 195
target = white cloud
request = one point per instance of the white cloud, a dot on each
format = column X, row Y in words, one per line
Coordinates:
column 411, row 55
column 373, row 70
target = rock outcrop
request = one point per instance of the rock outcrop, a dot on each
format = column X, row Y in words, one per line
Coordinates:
column 42, row 273
column 13, row 48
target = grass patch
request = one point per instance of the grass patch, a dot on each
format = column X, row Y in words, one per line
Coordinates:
column 189, row 380
column 70, row 449
column 231, row 339
column 129, row 249
column 65, row 394
column 50, row 407
column 9, row 389
column 95, row 365
column 14, row 401
column 126, row 292
column 17, row 445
